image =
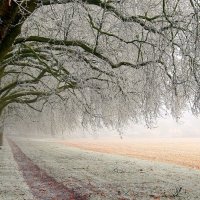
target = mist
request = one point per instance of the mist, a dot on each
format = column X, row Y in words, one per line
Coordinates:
column 187, row 126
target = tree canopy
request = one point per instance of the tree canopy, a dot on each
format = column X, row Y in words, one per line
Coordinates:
column 102, row 62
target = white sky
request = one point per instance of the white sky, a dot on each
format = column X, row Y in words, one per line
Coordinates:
column 188, row 126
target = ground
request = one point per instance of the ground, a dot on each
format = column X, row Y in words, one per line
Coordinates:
column 47, row 169
column 181, row 151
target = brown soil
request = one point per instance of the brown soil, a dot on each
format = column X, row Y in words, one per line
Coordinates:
column 42, row 186
column 183, row 151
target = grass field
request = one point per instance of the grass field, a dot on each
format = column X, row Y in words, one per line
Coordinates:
column 47, row 167
column 181, row 151
column 107, row 176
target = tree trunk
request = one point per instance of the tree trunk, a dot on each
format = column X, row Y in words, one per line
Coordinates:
column 1, row 129
column 1, row 139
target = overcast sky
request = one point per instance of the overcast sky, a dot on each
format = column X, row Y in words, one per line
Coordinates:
column 188, row 126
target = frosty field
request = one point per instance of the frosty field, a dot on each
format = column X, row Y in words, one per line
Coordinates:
column 96, row 175
column 181, row 151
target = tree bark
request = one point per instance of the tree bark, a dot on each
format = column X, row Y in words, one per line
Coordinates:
column 1, row 139
column 12, row 19
column 1, row 132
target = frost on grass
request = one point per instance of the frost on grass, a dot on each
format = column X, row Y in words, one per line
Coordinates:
column 12, row 184
column 104, row 176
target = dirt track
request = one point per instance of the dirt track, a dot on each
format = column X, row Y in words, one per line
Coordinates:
column 42, row 186
column 181, row 151
column 94, row 175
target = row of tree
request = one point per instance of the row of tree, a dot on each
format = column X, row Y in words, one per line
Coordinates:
column 99, row 62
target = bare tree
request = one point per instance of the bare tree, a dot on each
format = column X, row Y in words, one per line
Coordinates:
column 104, row 62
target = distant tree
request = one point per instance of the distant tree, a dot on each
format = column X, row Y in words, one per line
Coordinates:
column 108, row 61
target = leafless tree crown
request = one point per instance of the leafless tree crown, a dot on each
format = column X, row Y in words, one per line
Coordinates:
column 101, row 63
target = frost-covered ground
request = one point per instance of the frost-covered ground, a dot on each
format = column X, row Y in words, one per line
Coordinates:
column 12, row 184
column 180, row 151
column 102, row 176
column 111, row 175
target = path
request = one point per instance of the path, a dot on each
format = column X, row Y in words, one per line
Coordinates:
column 92, row 175
column 12, row 184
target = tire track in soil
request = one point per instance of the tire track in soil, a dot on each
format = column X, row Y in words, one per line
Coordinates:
column 42, row 186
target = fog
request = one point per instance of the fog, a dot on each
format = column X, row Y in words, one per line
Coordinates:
column 187, row 126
